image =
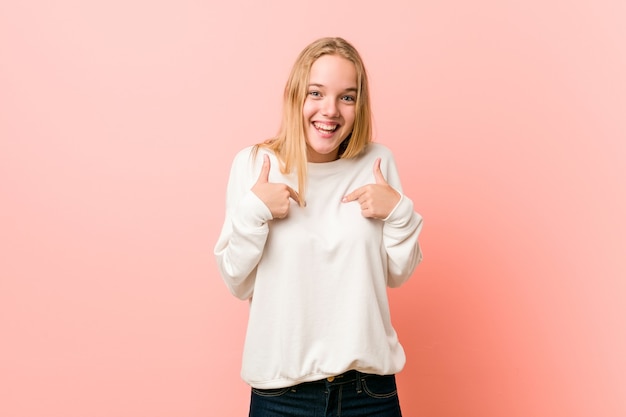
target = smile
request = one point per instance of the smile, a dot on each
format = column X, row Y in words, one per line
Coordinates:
column 326, row 127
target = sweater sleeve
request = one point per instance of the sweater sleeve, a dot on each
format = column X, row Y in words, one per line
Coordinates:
column 401, row 231
column 244, row 233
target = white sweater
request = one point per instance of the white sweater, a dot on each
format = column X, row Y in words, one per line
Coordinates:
column 316, row 279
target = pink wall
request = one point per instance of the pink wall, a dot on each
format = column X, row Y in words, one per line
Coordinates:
column 118, row 122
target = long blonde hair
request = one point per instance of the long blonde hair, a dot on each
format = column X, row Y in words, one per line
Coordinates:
column 289, row 145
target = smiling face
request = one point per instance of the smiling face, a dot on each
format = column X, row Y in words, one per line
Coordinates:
column 329, row 107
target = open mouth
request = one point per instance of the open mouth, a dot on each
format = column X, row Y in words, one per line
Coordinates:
column 325, row 128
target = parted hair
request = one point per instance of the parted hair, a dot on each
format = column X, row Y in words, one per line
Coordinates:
column 289, row 144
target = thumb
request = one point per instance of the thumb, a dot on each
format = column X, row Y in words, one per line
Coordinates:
column 378, row 175
column 265, row 170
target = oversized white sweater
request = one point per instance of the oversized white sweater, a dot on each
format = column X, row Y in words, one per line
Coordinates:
column 317, row 278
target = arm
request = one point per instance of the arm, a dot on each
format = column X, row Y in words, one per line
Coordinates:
column 400, row 237
column 244, row 233
column 249, row 206
column 401, row 231
column 384, row 201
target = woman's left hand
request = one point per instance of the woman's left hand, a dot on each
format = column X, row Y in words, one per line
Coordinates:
column 376, row 200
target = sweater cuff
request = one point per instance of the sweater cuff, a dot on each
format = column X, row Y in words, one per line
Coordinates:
column 252, row 211
column 401, row 213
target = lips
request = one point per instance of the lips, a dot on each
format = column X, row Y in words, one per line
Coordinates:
column 325, row 127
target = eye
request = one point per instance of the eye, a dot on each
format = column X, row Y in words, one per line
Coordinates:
column 350, row 99
column 315, row 93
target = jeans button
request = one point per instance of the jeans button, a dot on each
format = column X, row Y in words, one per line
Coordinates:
column 330, row 378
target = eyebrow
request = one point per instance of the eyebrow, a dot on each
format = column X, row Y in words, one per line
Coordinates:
column 349, row 89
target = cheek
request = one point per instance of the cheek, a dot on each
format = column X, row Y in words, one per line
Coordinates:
column 308, row 110
column 349, row 118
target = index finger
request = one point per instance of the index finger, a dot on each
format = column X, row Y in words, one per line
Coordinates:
column 354, row 195
column 294, row 195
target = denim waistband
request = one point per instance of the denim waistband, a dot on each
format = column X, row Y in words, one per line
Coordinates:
column 352, row 392
column 348, row 376
column 344, row 378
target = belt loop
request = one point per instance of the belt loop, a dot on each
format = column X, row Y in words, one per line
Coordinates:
column 358, row 382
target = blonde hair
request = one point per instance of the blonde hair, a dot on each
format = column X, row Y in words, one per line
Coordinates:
column 289, row 145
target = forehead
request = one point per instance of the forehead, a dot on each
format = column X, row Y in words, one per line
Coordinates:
column 333, row 71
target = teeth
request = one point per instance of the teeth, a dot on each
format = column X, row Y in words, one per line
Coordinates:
column 325, row 127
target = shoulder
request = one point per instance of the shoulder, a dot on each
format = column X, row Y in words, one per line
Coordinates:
column 250, row 155
column 388, row 164
column 372, row 152
column 245, row 154
column 378, row 150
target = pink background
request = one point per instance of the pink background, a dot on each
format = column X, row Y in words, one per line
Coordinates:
column 118, row 122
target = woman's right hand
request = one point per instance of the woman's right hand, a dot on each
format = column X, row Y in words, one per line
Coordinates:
column 275, row 195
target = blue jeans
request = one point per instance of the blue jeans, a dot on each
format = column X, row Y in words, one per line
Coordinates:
column 352, row 394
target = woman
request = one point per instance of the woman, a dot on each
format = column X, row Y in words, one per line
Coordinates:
column 315, row 262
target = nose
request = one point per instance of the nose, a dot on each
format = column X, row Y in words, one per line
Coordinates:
column 330, row 108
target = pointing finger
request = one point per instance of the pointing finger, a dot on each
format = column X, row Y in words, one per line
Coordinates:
column 294, row 195
column 354, row 195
